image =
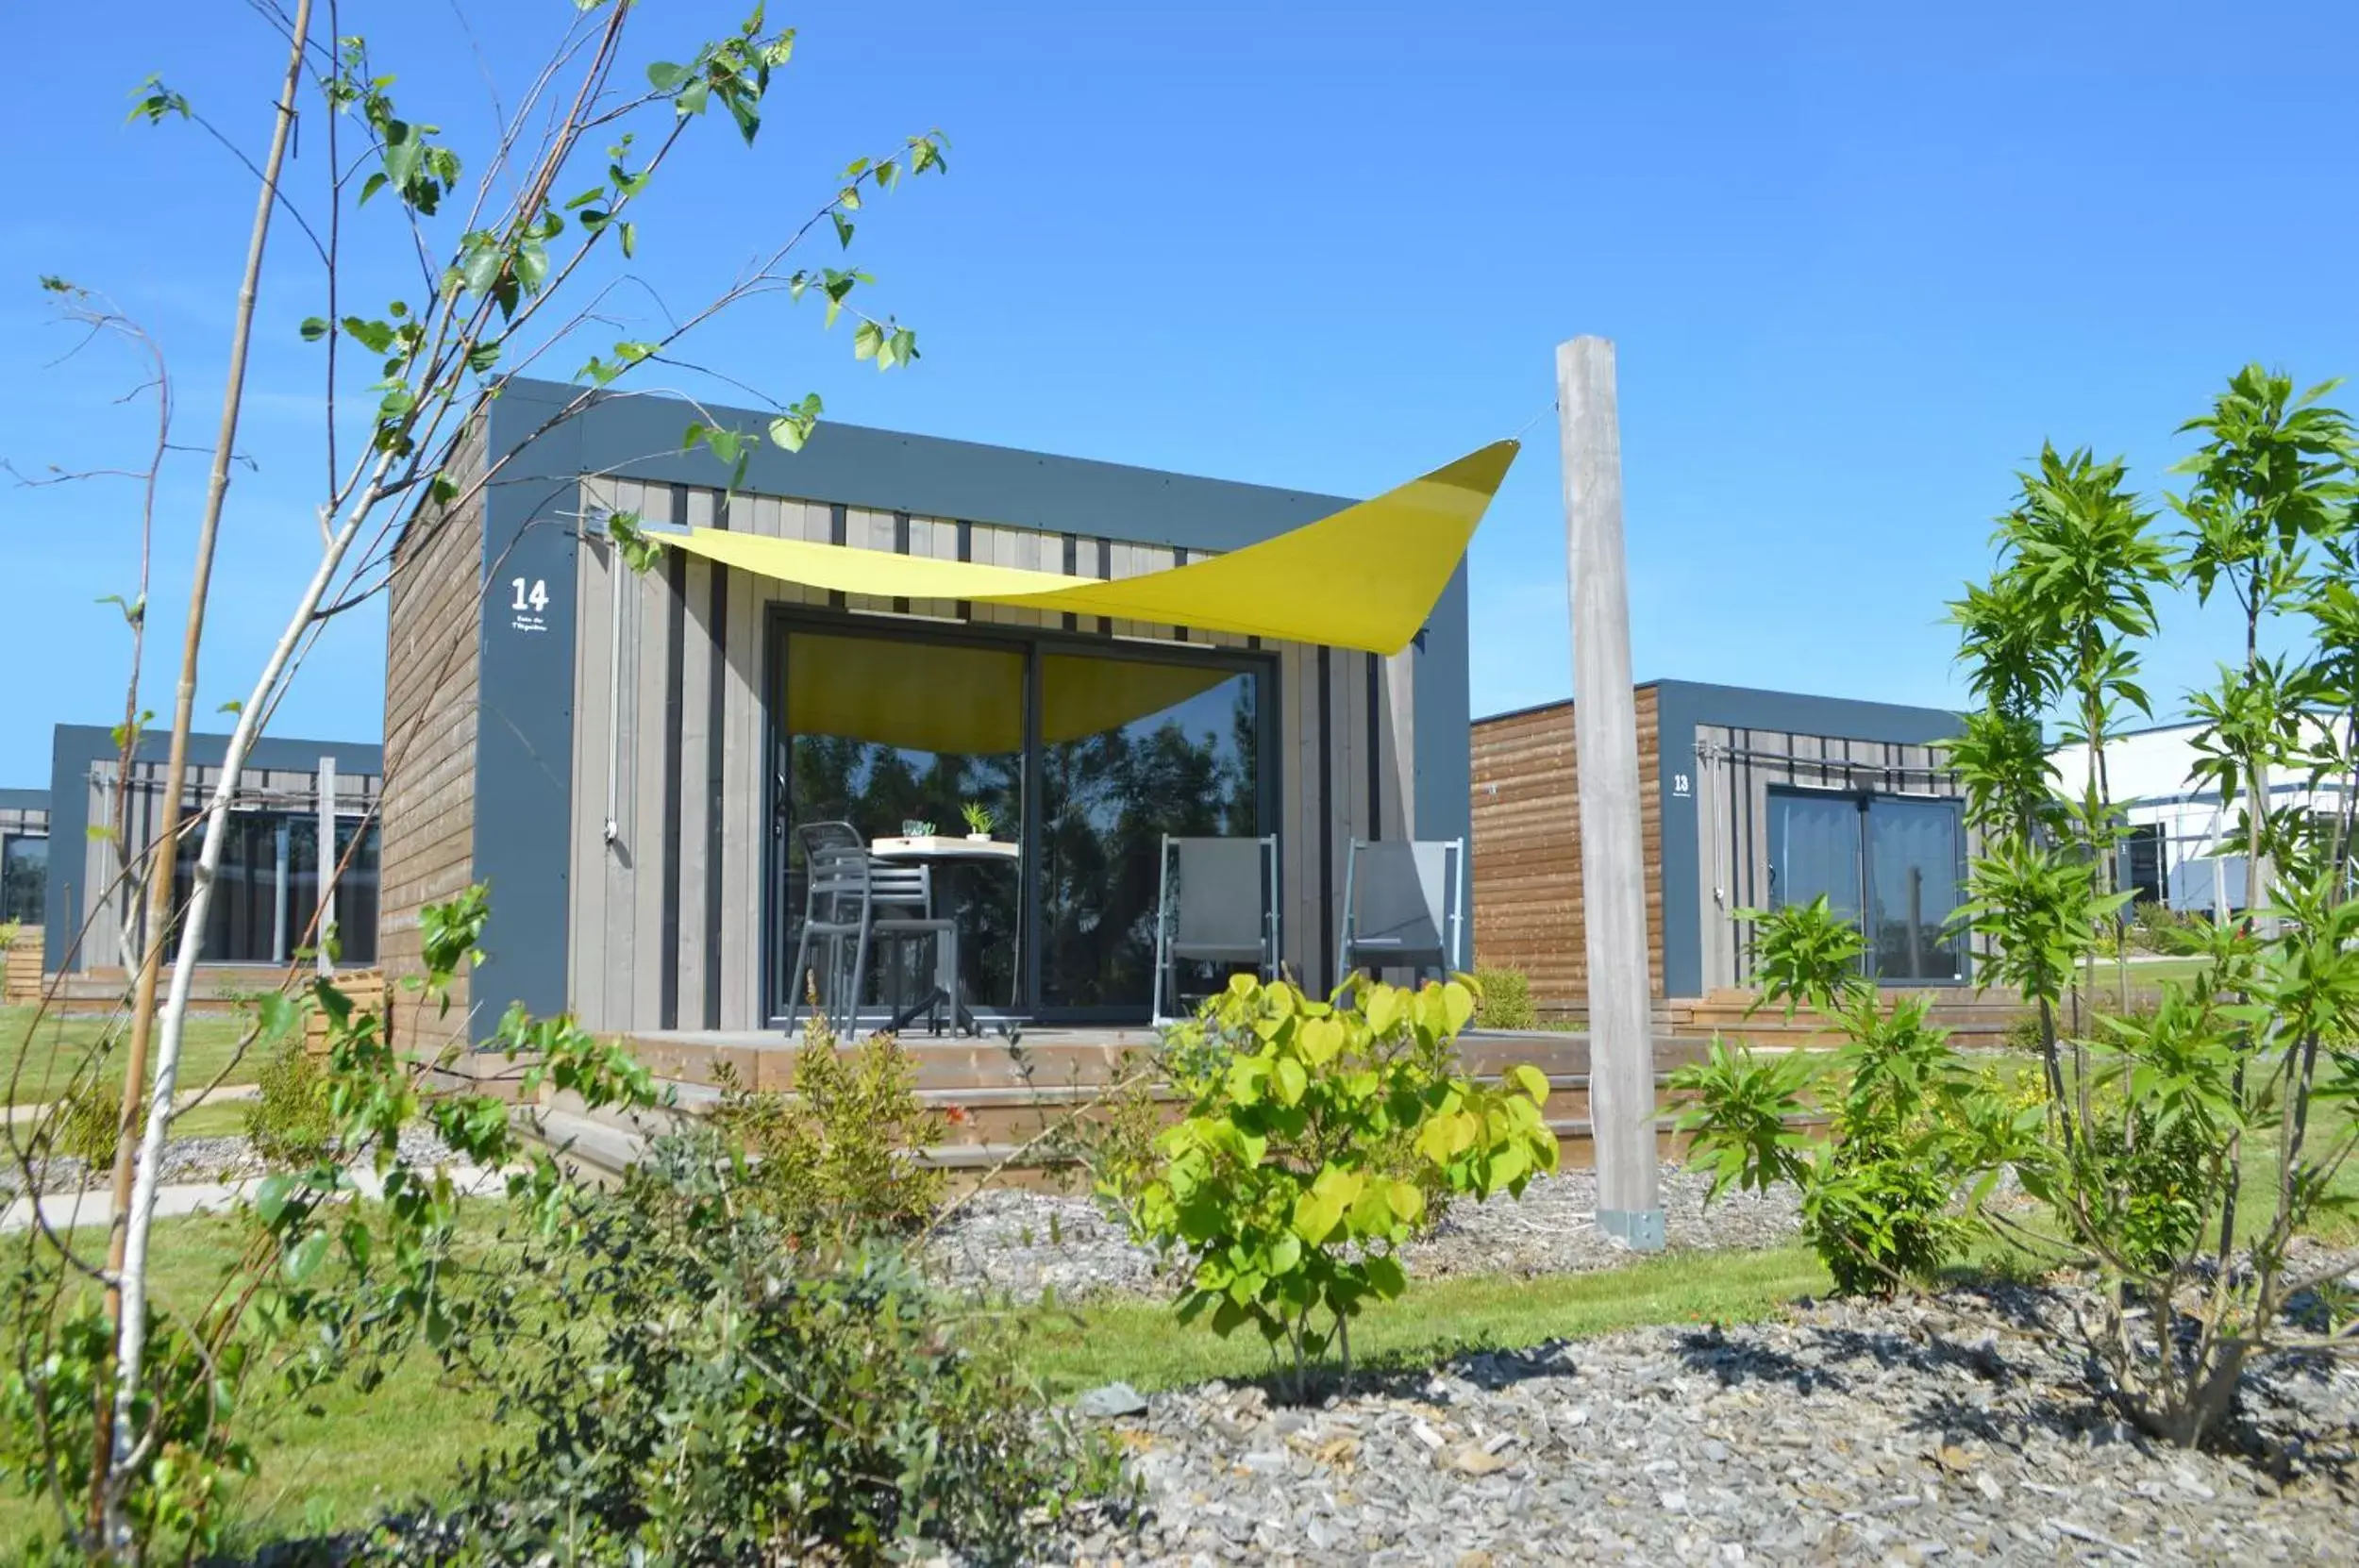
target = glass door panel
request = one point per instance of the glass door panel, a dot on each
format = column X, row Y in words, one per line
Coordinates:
column 1912, row 888
column 887, row 733
column 1814, row 850
column 1131, row 750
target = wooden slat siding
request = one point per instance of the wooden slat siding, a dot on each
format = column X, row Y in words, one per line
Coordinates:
column 1526, row 850
column 433, row 647
column 696, row 655
column 742, row 830
column 586, row 889
column 1651, row 827
column 651, row 650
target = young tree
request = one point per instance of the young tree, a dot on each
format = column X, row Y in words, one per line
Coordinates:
column 517, row 250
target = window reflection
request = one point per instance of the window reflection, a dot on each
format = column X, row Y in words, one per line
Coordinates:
column 1133, row 750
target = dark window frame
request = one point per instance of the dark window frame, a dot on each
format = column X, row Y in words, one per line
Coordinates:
column 1863, row 799
column 7, row 841
column 1033, row 644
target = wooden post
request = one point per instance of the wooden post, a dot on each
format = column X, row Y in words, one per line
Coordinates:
column 1613, row 851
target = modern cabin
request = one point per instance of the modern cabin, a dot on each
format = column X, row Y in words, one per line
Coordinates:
column 292, row 796
column 893, row 631
column 1748, row 799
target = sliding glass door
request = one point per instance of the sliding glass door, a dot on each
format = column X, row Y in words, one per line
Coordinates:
column 1889, row 865
column 1084, row 752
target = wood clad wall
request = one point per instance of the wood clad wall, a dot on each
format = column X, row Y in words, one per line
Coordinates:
column 1736, row 769
column 624, row 688
column 433, row 663
column 1526, row 850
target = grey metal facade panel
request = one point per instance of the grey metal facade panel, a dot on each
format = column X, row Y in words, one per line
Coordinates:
column 639, row 437
column 74, row 750
column 524, row 709
column 1682, row 706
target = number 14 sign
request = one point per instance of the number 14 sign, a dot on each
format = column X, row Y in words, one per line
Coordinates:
column 530, row 597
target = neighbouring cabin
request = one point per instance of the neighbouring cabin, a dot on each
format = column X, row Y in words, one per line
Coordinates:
column 1748, row 799
column 625, row 757
column 268, row 905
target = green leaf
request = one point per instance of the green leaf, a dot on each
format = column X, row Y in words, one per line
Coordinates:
column 1385, row 1277
column 1291, row 1079
column 630, row 240
column 314, row 328
column 1533, row 1082
column 304, row 1261
column 1317, row 1215
column 270, row 1197
column 843, row 230
column 1285, row 1254
column 664, row 75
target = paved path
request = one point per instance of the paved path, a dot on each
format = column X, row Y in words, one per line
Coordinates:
column 20, row 1114
column 69, row 1211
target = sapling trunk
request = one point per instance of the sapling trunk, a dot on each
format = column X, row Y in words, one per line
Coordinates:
column 126, row 1256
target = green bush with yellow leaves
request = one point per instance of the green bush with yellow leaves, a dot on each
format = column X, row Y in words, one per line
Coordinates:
column 1314, row 1135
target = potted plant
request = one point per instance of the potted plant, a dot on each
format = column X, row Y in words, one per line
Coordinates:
column 978, row 821
column 912, row 828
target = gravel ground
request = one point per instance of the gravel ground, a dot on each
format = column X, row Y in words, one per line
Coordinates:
column 1025, row 1243
column 198, row 1159
column 1904, row 1432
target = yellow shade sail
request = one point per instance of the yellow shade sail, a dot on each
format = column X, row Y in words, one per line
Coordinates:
column 1365, row 578
column 959, row 700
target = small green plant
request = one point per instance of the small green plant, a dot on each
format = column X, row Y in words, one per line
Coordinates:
column 1313, row 1134
column 289, row 1118
column 840, row 1159
column 979, row 817
column 1503, row 1000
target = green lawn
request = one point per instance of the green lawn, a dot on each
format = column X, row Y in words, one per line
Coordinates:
column 51, row 1049
column 337, row 1465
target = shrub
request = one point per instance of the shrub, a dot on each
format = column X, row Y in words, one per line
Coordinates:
column 88, row 1125
column 1503, row 1000
column 1313, row 1134
column 289, row 1118
column 1877, row 1197
column 838, row 1162
column 700, row 1398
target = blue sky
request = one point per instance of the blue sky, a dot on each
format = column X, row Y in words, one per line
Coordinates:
column 1859, row 261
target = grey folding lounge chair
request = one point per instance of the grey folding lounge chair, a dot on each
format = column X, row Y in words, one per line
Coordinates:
column 1404, row 906
column 1216, row 903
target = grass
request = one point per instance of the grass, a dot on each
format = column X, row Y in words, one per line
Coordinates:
column 1140, row 1342
column 338, row 1465
column 48, row 1050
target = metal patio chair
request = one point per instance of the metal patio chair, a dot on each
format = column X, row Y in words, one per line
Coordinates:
column 1217, row 902
column 1404, row 906
column 851, row 896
